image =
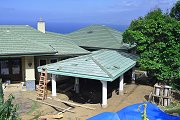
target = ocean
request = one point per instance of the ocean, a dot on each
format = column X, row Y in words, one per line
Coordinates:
column 64, row 28
column 70, row 27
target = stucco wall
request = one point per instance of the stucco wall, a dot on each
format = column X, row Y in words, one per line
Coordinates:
column 29, row 68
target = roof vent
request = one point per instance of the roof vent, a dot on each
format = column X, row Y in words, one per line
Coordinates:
column 74, row 64
column 90, row 32
column 116, row 67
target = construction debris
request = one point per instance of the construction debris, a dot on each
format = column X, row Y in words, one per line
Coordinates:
column 73, row 104
column 53, row 105
column 46, row 117
column 64, row 110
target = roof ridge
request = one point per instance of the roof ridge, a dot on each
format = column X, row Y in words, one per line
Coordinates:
column 86, row 27
column 14, row 25
column 112, row 34
column 102, row 67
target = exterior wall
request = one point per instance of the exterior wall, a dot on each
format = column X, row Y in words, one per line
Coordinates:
column 48, row 61
column 29, row 72
column 29, row 69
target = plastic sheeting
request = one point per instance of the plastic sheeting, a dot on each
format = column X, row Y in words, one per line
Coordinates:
column 132, row 113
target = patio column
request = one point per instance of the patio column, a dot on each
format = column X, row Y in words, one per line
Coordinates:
column 121, row 82
column 53, row 85
column 76, row 86
column 104, row 94
column 133, row 75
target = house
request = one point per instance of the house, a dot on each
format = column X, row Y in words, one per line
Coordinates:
column 23, row 48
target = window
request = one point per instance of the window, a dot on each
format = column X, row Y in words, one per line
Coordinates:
column 54, row 60
column 42, row 62
column 15, row 66
column 4, row 64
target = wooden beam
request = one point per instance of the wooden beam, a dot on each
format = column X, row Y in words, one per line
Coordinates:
column 73, row 104
column 52, row 105
column 64, row 110
column 51, row 117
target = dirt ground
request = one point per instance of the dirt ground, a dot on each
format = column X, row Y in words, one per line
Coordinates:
column 30, row 110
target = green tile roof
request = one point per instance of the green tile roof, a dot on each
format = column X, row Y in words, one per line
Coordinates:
column 104, row 65
column 13, row 43
column 25, row 40
column 98, row 36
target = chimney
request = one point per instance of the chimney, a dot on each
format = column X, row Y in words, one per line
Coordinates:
column 41, row 25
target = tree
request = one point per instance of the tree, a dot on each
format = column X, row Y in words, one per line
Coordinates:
column 1, row 93
column 157, row 36
column 7, row 109
column 175, row 11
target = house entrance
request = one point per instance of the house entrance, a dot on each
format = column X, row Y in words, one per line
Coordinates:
column 10, row 69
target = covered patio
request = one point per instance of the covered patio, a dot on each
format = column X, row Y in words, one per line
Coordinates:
column 102, row 65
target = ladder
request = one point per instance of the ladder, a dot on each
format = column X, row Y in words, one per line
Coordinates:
column 42, row 88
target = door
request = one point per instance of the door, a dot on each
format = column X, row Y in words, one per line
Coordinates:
column 10, row 69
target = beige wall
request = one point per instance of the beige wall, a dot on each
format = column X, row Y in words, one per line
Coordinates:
column 29, row 69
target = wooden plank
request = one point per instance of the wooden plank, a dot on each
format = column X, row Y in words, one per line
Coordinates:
column 73, row 104
column 64, row 110
column 52, row 105
column 51, row 117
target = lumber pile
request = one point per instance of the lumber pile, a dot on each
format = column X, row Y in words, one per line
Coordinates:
column 53, row 106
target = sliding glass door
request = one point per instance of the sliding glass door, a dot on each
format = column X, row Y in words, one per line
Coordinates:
column 10, row 69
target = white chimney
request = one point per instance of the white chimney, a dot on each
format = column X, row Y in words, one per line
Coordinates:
column 41, row 25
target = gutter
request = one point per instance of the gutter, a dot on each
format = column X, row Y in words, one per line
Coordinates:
column 27, row 54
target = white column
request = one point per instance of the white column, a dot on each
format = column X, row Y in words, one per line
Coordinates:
column 121, row 82
column 76, row 85
column 104, row 94
column 133, row 75
column 53, row 85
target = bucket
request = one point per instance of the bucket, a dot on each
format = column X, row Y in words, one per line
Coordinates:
column 157, row 89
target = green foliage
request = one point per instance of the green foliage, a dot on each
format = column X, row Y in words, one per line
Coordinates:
column 157, row 36
column 1, row 93
column 7, row 109
column 175, row 11
column 174, row 108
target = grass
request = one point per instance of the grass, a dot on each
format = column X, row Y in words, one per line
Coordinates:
column 173, row 109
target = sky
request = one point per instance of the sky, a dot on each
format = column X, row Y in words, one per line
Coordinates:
column 114, row 12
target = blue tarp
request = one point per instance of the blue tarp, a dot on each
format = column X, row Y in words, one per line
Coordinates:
column 132, row 113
